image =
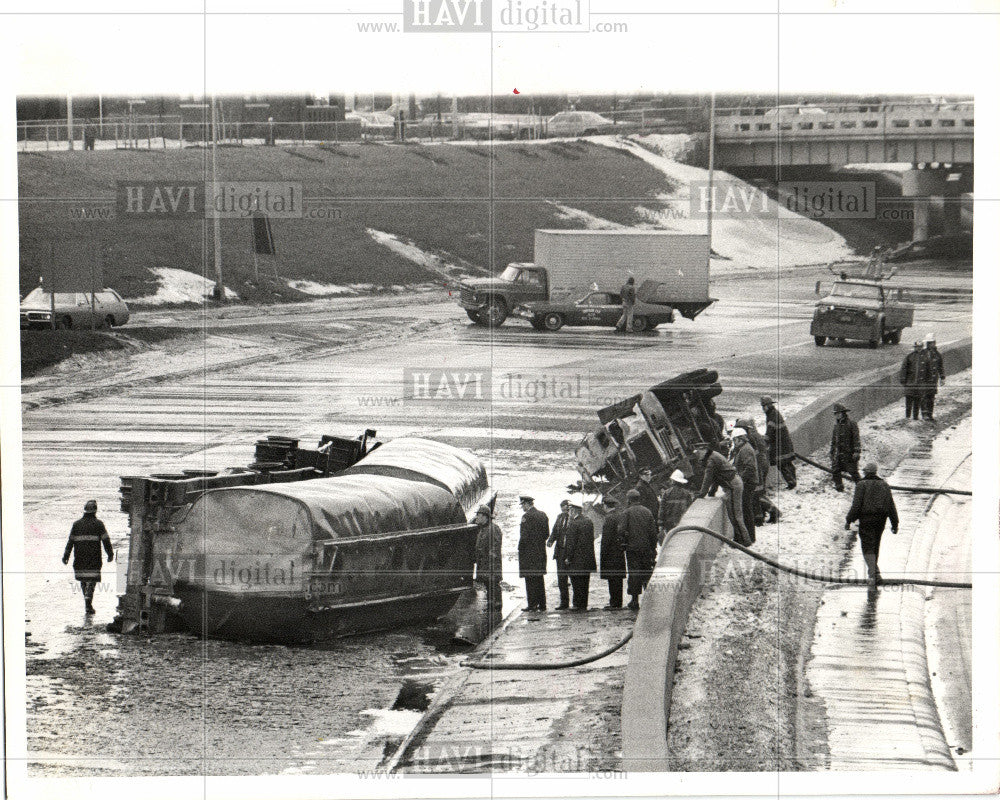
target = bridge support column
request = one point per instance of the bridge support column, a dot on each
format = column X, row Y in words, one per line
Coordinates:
column 936, row 201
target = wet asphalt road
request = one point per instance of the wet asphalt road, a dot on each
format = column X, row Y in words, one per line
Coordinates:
column 180, row 706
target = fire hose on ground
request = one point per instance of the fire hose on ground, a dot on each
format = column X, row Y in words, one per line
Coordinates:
column 912, row 489
column 813, row 576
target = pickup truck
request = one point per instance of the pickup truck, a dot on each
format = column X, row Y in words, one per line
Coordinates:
column 862, row 310
column 568, row 264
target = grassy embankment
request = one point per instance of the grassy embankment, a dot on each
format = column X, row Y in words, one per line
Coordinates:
column 438, row 196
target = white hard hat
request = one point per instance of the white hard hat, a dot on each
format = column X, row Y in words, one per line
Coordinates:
column 737, row 432
column 729, row 428
column 929, row 338
column 678, row 477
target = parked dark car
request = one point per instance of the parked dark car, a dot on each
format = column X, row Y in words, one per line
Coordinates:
column 597, row 309
column 73, row 309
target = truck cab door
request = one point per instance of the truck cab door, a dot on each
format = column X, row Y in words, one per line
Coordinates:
column 533, row 285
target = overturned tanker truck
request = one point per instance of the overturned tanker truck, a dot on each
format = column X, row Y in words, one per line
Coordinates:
column 305, row 544
column 655, row 429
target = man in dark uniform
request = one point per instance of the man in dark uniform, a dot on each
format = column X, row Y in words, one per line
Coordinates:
column 763, row 507
column 673, row 503
column 933, row 373
column 647, row 494
column 781, row 453
column 489, row 567
column 558, row 538
column 744, row 458
column 872, row 506
column 579, row 555
column 86, row 537
column 845, row 447
column 628, row 306
column 911, row 378
column 531, row 553
column 717, row 471
column 638, row 533
column 612, row 556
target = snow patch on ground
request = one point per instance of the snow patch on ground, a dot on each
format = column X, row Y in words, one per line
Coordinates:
column 321, row 289
column 741, row 242
column 584, row 218
column 450, row 270
column 179, row 286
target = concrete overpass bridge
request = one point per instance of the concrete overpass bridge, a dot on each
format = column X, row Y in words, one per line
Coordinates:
column 832, row 136
column 937, row 139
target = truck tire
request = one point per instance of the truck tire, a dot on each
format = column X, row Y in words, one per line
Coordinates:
column 109, row 321
column 553, row 321
column 820, row 340
column 473, row 315
column 64, row 323
column 494, row 314
column 640, row 324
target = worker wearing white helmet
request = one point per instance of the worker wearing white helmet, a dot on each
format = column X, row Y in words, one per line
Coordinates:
column 932, row 373
column 744, row 458
column 674, row 502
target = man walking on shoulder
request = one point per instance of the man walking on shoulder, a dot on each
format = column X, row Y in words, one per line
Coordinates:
column 86, row 538
column 872, row 506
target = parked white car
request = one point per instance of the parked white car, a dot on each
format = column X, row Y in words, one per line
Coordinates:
column 73, row 309
column 578, row 123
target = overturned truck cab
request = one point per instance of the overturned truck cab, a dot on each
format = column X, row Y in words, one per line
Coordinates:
column 655, row 429
column 299, row 555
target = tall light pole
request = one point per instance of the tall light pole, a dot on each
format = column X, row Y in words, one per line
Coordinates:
column 711, row 172
column 220, row 291
column 69, row 119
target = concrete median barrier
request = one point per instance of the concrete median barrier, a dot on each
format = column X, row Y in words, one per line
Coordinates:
column 683, row 564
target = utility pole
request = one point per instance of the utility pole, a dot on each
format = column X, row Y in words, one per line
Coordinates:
column 711, row 172
column 69, row 119
column 220, row 290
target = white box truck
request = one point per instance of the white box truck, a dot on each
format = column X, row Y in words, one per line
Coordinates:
column 577, row 275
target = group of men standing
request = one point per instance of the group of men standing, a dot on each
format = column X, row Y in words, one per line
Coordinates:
column 920, row 374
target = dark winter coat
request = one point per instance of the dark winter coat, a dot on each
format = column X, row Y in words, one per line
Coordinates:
column 86, row 537
column 717, row 472
column 873, row 504
column 579, row 554
column 488, row 557
column 558, row 537
column 745, row 461
column 647, row 496
column 612, row 554
column 779, row 441
column 638, row 529
column 531, row 546
column 845, row 443
column 673, row 503
column 913, row 373
column 932, row 370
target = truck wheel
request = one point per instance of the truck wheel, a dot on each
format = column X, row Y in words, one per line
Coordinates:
column 109, row 321
column 820, row 340
column 473, row 315
column 494, row 314
column 640, row 324
column 65, row 323
column 553, row 321
column 896, row 336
